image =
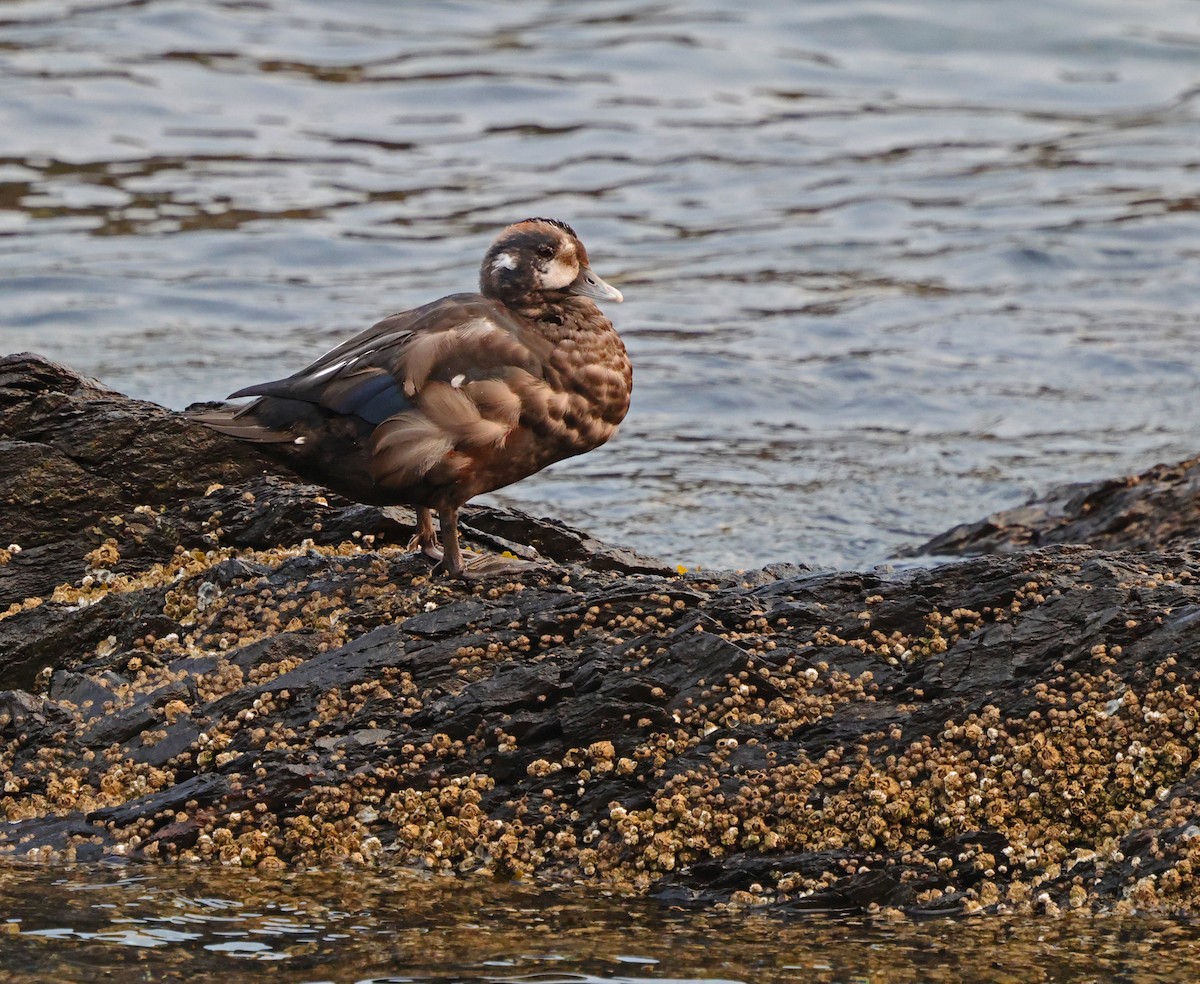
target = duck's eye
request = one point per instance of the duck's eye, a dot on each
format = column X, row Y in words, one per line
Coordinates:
column 546, row 250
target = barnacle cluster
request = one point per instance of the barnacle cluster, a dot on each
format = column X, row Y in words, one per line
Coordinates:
column 626, row 730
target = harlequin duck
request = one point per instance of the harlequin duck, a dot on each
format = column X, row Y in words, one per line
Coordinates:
column 461, row 396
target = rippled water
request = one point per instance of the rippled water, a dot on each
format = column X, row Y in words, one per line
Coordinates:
column 888, row 265
column 201, row 926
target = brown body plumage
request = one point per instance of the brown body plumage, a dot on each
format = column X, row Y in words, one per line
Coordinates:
column 464, row 395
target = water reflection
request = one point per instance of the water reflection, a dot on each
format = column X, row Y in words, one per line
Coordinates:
column 203, row 925
column 886, row 268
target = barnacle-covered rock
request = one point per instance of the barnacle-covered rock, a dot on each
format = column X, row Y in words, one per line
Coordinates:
column 203, row 660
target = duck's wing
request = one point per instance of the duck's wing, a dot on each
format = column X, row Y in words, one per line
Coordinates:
column 418, row 393
column 380, row 372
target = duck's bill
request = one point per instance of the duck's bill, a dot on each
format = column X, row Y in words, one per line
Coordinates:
column 587, row 284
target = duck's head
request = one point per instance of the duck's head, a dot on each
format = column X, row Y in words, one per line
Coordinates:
column 538, row 263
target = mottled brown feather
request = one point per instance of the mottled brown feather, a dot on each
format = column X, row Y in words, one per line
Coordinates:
column 459, row 416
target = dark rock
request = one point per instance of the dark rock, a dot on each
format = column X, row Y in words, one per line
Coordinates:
column 132, row 721
column 458, row 617
column 24, row 713
column 1150, row 511
column 508, row 529
column 203, row 790
column 80, row 690
column 242, row 668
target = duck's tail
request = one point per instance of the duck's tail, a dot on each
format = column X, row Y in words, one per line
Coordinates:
column 240, row 423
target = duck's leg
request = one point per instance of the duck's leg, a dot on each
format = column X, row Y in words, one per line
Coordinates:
column 467, row 563
column 452, row 558
column 426, row 539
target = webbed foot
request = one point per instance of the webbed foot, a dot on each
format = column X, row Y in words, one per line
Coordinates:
column 478, row 566
column 425, row 540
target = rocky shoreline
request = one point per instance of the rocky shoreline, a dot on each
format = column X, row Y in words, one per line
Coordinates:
column 205, row 661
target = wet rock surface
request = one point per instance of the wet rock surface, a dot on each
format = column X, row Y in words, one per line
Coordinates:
column 1158, row 508
column 202, row 660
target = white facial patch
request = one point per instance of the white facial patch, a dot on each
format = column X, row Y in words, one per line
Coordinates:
column 505, row 261
column 559, row 273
